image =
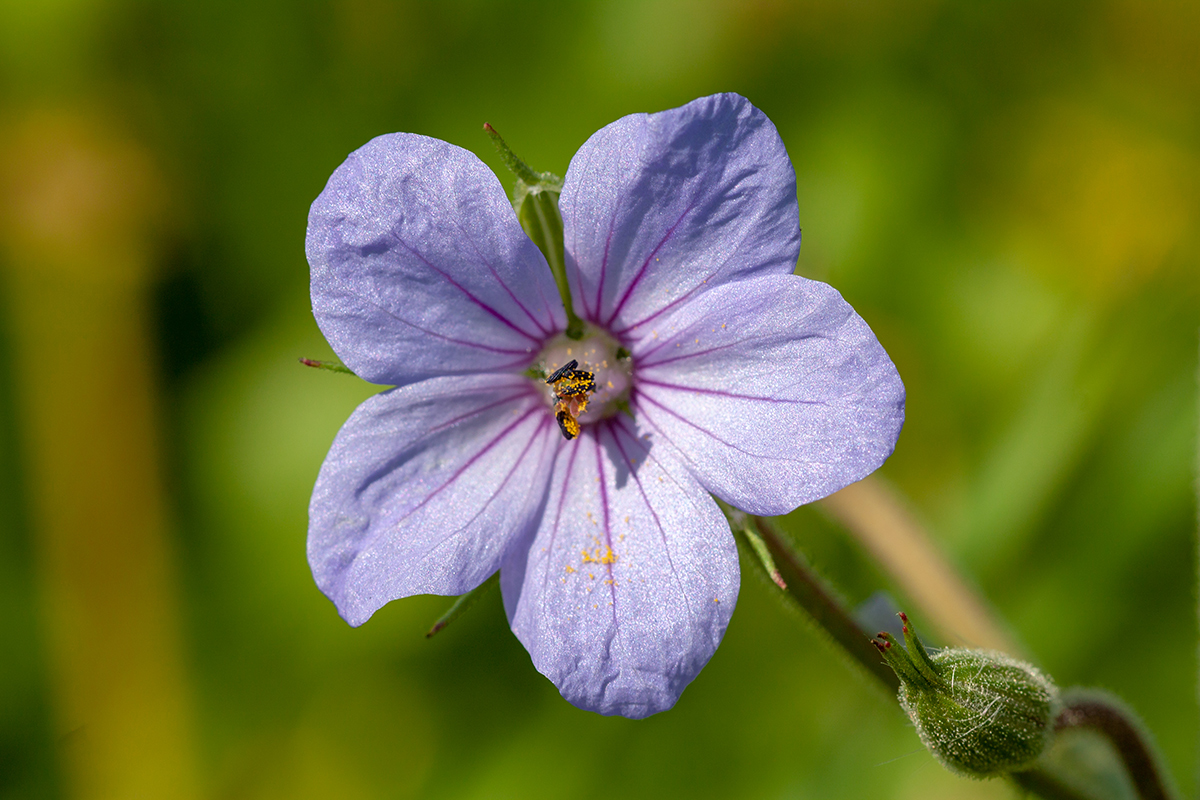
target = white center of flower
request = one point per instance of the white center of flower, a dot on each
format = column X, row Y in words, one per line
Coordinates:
column 596, row 353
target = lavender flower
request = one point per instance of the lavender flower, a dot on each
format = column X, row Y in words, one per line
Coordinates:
column 717, row 371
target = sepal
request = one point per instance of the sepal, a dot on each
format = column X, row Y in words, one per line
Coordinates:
column 535, row 199
column 981, row 713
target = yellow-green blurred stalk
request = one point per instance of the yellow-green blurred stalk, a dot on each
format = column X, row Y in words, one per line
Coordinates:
column 77, row 203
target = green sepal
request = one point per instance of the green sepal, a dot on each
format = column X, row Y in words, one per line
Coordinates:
column 980, row 713
column 541, row 220
column 332, row 366
column 535, row 199
column 759, row 547
column 463, row 603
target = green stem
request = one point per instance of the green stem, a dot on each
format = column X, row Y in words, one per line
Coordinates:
column 810, row 592
column 1089, row 711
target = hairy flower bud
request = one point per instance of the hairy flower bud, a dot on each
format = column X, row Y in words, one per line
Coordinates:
column 980, row 713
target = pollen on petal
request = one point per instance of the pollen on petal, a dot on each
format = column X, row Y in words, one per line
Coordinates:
column 599, row 555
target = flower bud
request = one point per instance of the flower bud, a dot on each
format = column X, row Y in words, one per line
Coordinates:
column 980, row 713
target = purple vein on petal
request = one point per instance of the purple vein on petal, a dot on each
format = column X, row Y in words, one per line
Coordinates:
column 541, row 328
column 562, row 497
column 612, row 582
column 480, row 410
column 503, row 351
column 642, row 358
column 486, row 307
column 595, row 317
column 723, row 393
column 645, row 265
column 659, row 312
column 702, row 429
column 469, row 462
column 538, row 432
column 613, row 427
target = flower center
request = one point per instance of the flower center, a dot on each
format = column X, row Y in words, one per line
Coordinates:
column 594, row 387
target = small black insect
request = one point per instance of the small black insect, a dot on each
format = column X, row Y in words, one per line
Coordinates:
column 567, row 424
column 563, row 370
column 570, row 382
column 572, row 388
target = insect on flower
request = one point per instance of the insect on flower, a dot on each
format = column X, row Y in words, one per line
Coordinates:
column 572, row 388
column 705, row 368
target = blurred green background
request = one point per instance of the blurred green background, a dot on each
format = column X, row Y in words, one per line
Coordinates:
column 1008, row 193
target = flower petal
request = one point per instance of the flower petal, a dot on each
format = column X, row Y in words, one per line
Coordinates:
column 424, row 488
column 774, row 391
column 626, row 590
column 659, row 206
column 420, row 269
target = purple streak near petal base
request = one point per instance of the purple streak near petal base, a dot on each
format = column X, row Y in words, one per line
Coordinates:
column 424, row 488
column 419, row 268
column 773, row 391
column 627, row 587
column 657, row 207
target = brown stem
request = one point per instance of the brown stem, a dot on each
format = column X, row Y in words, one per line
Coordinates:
column 1095, row 712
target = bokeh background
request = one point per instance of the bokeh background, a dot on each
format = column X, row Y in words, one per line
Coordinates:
column 1008, row 192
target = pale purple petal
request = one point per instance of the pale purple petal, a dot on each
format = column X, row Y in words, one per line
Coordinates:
column 628, row 585
column 659, row 207
column 420, row 269
column 424, row 488
column 774, row 391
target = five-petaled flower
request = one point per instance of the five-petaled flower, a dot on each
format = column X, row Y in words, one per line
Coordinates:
column 718, row 372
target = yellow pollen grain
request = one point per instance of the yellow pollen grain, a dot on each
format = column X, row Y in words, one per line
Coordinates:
column 697, row 341
column 609, row 386
column 599, row 556
column 627, row 519
column 569, row 569
column 591, row 577
column 722, row 324
column 716, row 599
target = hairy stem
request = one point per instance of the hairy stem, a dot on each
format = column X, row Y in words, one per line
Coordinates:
column 1087, row 710
column 810, row 592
